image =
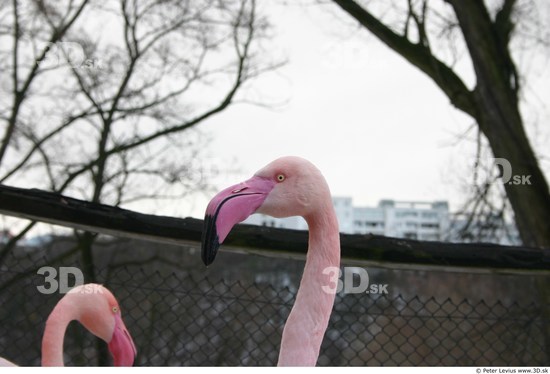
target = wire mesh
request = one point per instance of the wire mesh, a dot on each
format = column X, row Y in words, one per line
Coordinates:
column 188, row 318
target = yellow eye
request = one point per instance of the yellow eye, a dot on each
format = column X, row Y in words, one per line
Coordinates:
column 280, row 177
column 115, row 309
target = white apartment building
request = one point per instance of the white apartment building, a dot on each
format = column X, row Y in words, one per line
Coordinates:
column 401, row 219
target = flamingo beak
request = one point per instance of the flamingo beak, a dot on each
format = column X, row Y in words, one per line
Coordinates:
column 229, row 207
column 121, row 345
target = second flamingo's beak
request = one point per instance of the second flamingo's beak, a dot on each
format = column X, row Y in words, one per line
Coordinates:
column 229, row 207
column 121, row 345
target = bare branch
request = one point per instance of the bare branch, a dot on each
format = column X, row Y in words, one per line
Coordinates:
column 117, row 120
column 21, row 93
column 416, row 54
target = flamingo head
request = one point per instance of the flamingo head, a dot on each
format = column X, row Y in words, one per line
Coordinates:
column 100, row 314
column 288, row 186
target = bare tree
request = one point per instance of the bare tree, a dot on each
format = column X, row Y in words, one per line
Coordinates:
column 485, row 214
column 419, row 30
column 102, row 98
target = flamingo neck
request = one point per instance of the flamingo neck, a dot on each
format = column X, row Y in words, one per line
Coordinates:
column 54, row 334
column 308, row 320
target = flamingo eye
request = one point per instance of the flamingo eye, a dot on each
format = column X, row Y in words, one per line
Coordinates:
column 115, row 309
column 280, row 177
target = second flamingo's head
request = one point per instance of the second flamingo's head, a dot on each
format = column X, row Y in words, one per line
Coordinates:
column 288, row 186
column 95, row 307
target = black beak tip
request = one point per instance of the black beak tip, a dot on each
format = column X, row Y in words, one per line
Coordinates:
column 210, row 242
column 209, row 251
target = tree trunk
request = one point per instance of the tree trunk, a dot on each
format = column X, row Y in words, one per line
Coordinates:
column 86, row 242
column 499, row 118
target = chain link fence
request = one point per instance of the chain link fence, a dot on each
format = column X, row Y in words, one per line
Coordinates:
column 184, row 316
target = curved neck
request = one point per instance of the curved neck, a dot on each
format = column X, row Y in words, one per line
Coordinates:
column 308, row 320
column 54, row 335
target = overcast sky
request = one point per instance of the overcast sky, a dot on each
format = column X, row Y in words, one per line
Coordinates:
column 377, row 127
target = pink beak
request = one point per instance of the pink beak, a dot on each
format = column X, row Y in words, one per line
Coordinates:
column 121, row 345
column 229, row 207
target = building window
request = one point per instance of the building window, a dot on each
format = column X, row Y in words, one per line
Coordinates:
column 403, row 214
column 410, row 235
column 429, row 215
column 430, row 225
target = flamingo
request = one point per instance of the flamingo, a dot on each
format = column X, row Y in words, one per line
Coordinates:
column 95, row 307
column 288, row 186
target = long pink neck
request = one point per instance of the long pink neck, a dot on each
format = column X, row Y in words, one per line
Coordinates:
column 308, row 320
column 54, row 334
